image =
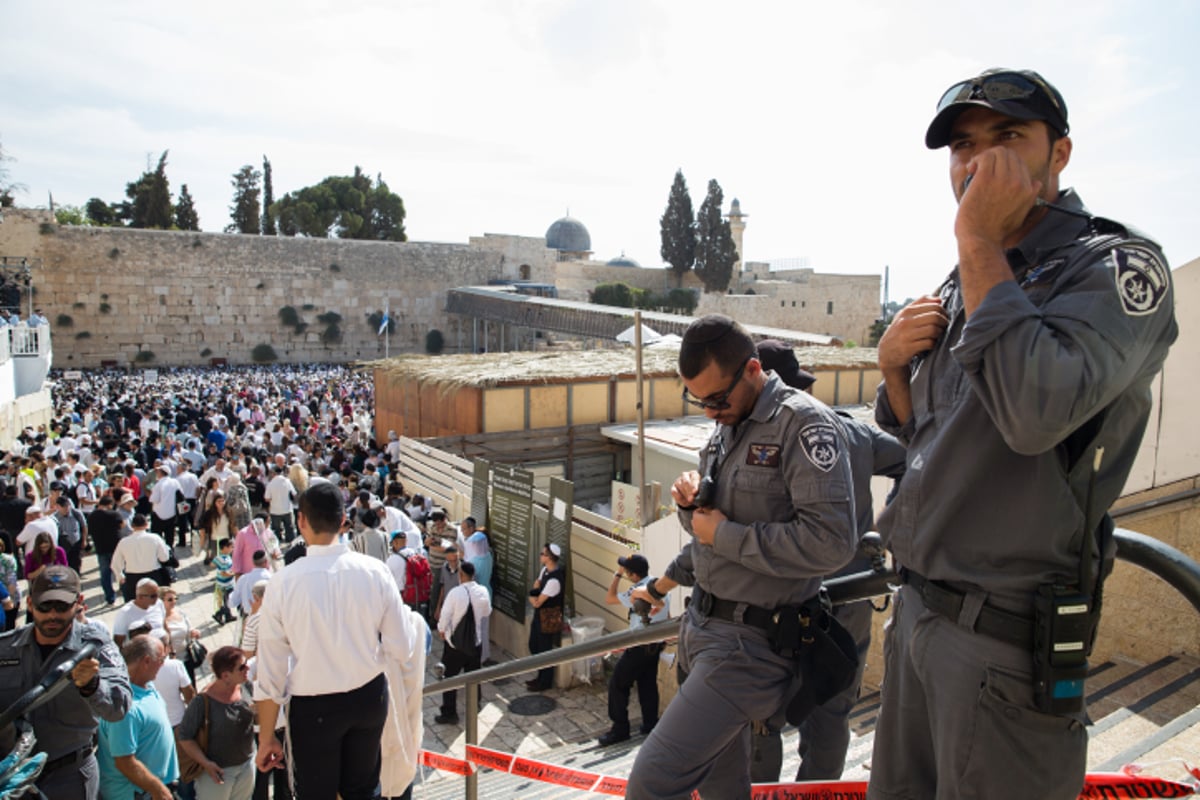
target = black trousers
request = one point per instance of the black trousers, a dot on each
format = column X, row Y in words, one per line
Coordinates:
column 539, row 643
column 636, row 665
column 165, row 528
column 129, row 587
column 455, row 661
column 334, row 742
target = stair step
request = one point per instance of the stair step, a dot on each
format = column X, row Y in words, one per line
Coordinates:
column 1143, row 713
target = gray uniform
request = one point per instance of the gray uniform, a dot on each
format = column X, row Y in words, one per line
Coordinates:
column 783, row 481
column 1009, row 410
column 66, row 726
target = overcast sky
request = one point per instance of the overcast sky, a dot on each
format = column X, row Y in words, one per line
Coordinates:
column 499, row 115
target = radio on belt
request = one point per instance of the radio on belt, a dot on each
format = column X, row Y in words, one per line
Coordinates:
column 1063, row 631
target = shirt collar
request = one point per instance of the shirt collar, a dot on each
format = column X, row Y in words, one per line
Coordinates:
column 767, row 404
column 1053, row 231
column 337, row 548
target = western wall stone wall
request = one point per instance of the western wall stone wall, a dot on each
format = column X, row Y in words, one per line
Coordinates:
column 189, row 297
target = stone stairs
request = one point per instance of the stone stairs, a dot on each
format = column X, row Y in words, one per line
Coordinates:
column 1144, row 713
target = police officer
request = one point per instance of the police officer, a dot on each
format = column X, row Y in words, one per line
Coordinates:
column 65, row 726
column 825, row 733
column 1022, row 390
column 770, row 512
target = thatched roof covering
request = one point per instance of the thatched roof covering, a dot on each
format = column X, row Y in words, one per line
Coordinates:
column 487, row 370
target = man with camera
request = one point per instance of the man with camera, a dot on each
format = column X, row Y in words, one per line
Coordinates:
column 771, row 511
column 637, row 665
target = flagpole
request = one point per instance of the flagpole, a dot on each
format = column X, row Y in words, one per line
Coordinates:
column 387, row 324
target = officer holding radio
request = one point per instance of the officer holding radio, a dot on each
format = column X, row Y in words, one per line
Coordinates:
column 770, row 511
column 1022, row 389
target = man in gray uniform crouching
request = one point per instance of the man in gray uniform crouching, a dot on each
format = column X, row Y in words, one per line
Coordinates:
column 770, row 511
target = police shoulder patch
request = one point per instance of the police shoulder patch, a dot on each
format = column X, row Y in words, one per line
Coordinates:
column 821, row 444
column 1141, row 278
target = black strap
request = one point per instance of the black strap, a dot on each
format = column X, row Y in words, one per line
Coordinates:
column 994, row 622
column 717, row 608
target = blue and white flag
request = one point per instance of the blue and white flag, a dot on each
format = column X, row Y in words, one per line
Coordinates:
column 383, row 325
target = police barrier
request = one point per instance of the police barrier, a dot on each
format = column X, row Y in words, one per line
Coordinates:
column 1129, row 782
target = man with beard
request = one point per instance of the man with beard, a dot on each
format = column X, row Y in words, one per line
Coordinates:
column 65, row 726
column 1021, row 389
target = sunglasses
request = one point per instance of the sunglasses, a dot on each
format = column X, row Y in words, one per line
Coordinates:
column 1000, row 87
column 54, row 607
column 719, row 401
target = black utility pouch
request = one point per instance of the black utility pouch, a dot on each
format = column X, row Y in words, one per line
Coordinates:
column 788, row 630
column 1062, row 637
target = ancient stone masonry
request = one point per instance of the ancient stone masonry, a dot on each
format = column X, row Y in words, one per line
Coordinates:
column 172, row 297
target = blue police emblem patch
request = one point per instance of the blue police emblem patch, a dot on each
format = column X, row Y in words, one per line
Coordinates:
column 821, row 444
column 1042, row 273
column 763, row 455
column 1141, row 278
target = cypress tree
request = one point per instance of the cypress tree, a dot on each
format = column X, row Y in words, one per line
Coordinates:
column 715, row 251
column 678, row 227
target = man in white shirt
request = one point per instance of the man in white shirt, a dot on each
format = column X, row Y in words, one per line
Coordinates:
column 468, row 596
column 139, row 555
column 145, row 607
column 164, row 502
column 36, row 522
column 241, row 597
column 279, row 504
column 397, row 560
column 328, row 665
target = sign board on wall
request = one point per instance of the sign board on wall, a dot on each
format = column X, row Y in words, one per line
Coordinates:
column 511, row 519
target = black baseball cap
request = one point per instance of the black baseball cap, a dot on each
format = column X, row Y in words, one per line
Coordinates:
column 781, row 359
column 1023, row 94
column 635, row 563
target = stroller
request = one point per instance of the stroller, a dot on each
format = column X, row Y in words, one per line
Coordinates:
column 21, row 765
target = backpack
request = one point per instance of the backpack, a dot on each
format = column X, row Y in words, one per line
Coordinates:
column 463, row 635
column 418, row 580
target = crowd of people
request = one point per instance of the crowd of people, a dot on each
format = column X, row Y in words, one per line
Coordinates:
column 220, row 464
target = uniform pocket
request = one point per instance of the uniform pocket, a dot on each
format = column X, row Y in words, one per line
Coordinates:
column 1018, row 751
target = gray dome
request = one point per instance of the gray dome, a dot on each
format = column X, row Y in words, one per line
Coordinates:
column 570, row 235
column 623, row 261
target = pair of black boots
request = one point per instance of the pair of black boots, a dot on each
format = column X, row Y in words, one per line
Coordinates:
column 223, row 615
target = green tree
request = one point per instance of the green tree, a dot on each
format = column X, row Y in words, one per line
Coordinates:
column 244, row 210
column 268, row 221
column 678, row 227
column 70, row 215
column 613, row 294
column 186, row 218
column 101, row 213
column 7, row 189
column 715, row 251
column 347, row 207
column 149, row 196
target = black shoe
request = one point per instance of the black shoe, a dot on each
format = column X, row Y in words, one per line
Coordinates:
column 218, row 618
column 613, row 736
column 534, row 686
column 446, row 719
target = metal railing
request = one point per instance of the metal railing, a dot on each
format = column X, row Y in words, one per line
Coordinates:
column 1174, row 567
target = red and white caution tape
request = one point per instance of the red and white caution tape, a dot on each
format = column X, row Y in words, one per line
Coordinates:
column 1130, row 782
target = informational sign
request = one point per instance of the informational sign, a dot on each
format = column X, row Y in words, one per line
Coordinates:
column 626, row 504
column 72, row 375
column 511, row 526
column 149, row 376
column 479, row 493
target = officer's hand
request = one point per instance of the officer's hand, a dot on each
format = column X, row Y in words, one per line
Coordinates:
column 84, row 672
column 1001, row 195
column 640, row 593
column 704, row 524
column 683, row 491
column 270, row 753
column 915, row 329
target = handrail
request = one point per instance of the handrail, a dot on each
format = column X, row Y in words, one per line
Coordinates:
column 1173, row 566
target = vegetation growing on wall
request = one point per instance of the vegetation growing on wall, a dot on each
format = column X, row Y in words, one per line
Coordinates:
column 263, row 354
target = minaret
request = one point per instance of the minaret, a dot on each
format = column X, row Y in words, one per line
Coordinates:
column 737, row 227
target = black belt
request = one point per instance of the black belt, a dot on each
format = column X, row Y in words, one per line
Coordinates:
column 994, row 622
column 67, row 760
column 754, row 616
